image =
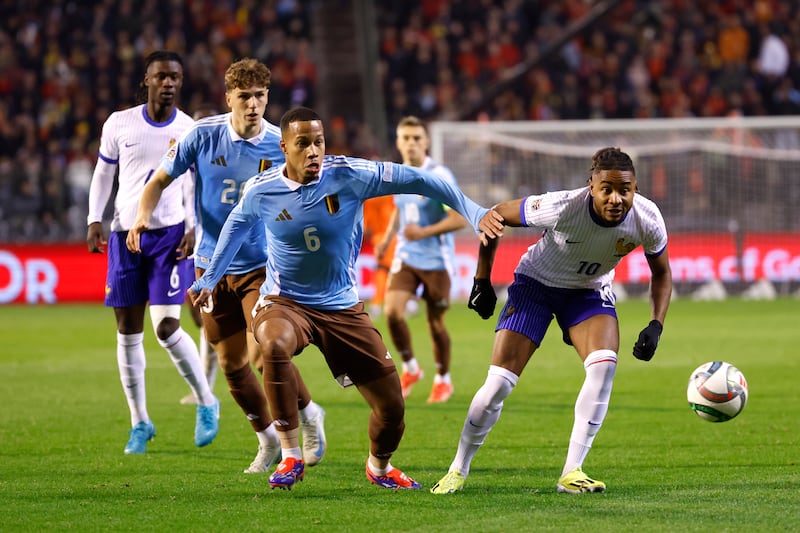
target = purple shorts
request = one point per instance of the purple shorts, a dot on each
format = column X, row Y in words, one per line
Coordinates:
column 531, row 306
column 155, row 275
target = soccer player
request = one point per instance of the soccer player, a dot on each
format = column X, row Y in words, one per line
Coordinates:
column 311, row 208
column 567, row 274
column 226, row 150
column 134, row 140
column 424, row 257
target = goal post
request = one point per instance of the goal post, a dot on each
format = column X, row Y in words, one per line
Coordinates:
column 729, row 188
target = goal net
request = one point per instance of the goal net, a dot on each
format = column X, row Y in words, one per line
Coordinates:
column 728, row 189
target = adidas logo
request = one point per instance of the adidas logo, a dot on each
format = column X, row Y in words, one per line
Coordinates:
column 220, row 161
column 283, row 216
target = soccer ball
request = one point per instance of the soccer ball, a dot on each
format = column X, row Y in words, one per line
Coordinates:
column 717, row 391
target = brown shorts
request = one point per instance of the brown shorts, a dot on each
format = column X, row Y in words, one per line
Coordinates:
column 234, row 298
column 352, row 346
column 435, row 284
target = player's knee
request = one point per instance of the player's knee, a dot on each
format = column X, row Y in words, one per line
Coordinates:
column 394, row 316
column 167, row 327
column 165, row 320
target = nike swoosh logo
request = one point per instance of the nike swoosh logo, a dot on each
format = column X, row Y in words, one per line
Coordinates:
column 474, row 301
column 573, row 242
column 170, row 294
column 128, row 145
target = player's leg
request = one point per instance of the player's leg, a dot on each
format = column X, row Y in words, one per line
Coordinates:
column 132, row 363
column 403, row 283
column 245, row 290
column 355, row 353
column 226, row 322
column 386, row 427
column 168, row 280
column 437, row 297
column 312, row 423
column 281, row 330
column 126, row 292
column 520, row 330
column 208, row 357
column 596, row 339
column 512, row 350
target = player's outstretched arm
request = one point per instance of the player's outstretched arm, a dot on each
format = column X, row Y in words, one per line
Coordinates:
column 147, row 204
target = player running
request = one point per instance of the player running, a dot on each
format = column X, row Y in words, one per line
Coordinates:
column 567, row 274
column 311, row 208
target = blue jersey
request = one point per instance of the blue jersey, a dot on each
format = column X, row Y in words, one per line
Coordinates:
column 431, row 253
column 223, row 162
column 314, row 231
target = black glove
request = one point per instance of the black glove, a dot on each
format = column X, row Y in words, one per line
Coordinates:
column 482, row 298
column 645, row 347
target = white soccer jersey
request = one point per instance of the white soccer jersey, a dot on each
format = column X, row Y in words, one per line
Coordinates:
column 135, row 143
column 577, row 248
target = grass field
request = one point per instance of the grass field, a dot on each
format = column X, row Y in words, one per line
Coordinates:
column 64, row 424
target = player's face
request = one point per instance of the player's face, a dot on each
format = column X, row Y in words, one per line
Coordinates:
column 304, row 146
column 612, row 193
column 163, row 80
column 248, row 106
column 412, row 142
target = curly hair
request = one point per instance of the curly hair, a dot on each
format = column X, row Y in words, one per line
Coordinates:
column 611, row 158
column 246, row 73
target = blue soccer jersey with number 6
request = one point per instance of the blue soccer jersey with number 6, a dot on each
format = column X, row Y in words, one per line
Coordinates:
column 314, row 230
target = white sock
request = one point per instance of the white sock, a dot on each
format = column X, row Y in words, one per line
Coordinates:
column 208, row 358
column 309, row 411
column 131, row 362
column 591, row 406
column 268, row 436
column 379, row 471
column 295, row 453
column 184, row 354
column 411, row 366
column 442, row 378
column 483, row 414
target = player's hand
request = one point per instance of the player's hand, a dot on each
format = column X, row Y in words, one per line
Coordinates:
column 186, row 247
column 200, row 300
column 132, row 241
column 491, row 225
column 413, row 232
column 482, row 298
column 95, row 240
column 645, row 347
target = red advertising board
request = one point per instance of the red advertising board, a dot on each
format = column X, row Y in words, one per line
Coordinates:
column 50, row 274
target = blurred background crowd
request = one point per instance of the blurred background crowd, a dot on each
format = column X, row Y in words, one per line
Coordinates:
column 66, row 65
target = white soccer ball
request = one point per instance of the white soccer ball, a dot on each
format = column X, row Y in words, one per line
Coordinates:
column 717, row 391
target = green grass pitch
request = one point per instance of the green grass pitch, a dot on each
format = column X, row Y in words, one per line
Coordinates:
column 64, row 423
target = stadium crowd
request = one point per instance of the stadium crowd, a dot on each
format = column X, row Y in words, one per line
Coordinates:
column 65, row 67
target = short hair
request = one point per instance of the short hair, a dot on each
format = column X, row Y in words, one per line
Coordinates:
column 162, row 55
column 245, row 73
column 298, row 114
column 611, row 158
column 411, row 120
